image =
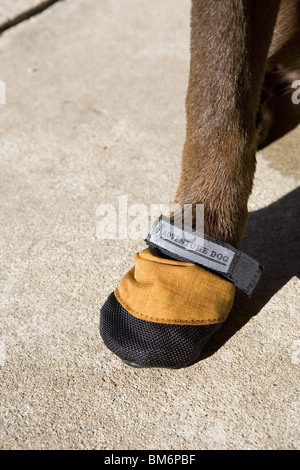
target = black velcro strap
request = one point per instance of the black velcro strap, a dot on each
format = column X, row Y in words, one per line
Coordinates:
column 185, row 244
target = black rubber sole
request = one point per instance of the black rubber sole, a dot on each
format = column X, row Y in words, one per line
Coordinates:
column 132, row 364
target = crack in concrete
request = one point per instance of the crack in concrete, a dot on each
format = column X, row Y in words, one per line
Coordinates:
column 25, row 15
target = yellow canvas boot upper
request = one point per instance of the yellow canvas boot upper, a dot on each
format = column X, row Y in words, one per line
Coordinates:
column 169, row 291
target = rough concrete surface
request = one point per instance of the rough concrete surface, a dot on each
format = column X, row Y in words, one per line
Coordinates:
column 95, row 110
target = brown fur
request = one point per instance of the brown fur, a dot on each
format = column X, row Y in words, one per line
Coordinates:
column 241, row 50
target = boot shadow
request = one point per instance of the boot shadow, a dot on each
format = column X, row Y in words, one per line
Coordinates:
column 273, row 237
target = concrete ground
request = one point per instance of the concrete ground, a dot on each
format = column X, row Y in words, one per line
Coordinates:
column 95, row 110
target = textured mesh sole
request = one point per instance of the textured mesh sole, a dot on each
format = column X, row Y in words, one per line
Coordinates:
column 147, row 344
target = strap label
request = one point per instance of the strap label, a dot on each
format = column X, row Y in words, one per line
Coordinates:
column 190, row 245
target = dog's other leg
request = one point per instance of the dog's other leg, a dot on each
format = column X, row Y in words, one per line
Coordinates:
column 284, row 53
column 282, row 69
column 230, row 40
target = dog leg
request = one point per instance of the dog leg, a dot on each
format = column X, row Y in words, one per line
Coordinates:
column 229, row 47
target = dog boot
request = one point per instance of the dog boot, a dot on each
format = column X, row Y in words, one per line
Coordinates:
column 178, row 293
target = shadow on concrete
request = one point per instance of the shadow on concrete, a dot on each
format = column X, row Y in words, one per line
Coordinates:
column 273, row 237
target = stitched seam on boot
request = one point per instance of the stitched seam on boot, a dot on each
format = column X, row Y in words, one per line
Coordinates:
column 166, row 320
